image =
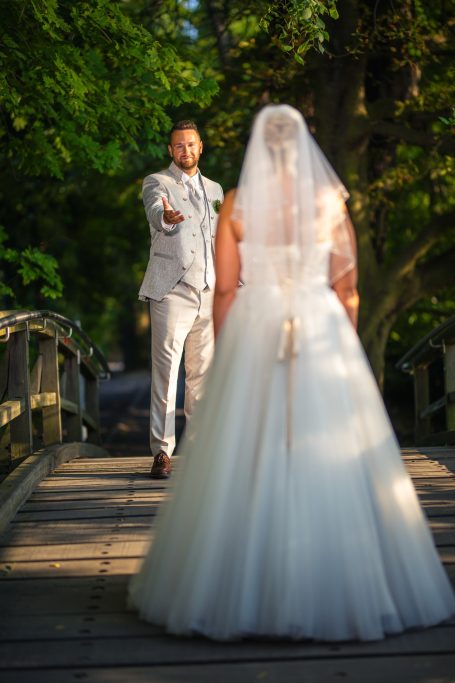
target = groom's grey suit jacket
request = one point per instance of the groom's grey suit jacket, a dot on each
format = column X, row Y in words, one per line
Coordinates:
column 172, row 251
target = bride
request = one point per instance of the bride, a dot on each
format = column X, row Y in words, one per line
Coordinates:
column 292, row 514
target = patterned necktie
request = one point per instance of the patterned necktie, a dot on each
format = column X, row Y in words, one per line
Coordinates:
column 193, row 191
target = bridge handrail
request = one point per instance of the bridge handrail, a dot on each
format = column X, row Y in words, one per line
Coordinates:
column 428, row 345
column 15, row 318
column 438, row 345
column 63, row 384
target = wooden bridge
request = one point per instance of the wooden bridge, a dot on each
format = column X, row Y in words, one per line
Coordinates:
column 67, row 553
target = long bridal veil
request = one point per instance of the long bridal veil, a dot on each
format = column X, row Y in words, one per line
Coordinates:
column 288, row 193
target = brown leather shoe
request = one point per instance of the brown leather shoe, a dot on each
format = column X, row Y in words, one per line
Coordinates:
column 161, row 468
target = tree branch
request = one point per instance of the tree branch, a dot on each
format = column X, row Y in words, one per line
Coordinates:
column 407, row 258
column 397, row 131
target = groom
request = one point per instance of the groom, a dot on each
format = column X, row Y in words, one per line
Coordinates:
column 181, row 206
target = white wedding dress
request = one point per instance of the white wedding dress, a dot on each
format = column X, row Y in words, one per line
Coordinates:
column 292, row 513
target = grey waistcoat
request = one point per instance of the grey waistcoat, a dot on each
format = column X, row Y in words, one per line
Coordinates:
column 201, row 273
column 179, row 253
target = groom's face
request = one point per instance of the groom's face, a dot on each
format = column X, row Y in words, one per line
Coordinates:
column 185, row 149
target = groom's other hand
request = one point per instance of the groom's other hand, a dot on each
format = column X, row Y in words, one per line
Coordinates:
column 170, row 216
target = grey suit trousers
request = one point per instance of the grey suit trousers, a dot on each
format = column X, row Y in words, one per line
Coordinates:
column 181, row 321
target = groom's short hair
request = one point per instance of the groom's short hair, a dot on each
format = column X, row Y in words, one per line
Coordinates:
column 186, row 124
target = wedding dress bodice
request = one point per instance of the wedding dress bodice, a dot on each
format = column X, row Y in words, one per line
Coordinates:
column 285, row 266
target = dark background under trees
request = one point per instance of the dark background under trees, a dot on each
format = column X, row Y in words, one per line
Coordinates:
column 89, row 89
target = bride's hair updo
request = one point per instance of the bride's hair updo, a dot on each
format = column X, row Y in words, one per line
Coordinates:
column 279, row 130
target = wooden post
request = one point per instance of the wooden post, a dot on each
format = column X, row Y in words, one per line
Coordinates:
column 449, row 380
column 52, row 419
column 422, row 427
column 19, row 390
column 73, row 421
column 5, row 439
column 92, row 407
column 35, row 375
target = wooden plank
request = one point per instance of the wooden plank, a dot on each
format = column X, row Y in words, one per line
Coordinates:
column 9, row 410
column 95, row 485
column 43, row 400
column 72, row 422
column 102, row 502
column 51, row 533
column 88, row 495
column 52, row 417
column 430, row 499
column 36, row 374
column 422, row 427
column 89, row 526
column 54, row 627
column 19, row 389
column 418, row 669
column 435, row 476
column 433, row 408
column 75, row 551
column 92, row 407
column 56, row 596
column 90, row 422
column 141, row 465
column 13, row 571
column 434, row 511
column 69, row 406
column 108, row 512
column 111, row 483
column 165, row 650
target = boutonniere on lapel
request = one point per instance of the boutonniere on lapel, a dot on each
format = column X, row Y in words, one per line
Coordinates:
column 216, row 205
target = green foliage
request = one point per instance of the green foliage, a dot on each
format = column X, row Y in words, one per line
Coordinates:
column 298, row 26
column 80, row 82
column 33, row 266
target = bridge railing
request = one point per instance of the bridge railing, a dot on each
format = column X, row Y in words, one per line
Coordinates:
column 432, row 363
column 49, row 384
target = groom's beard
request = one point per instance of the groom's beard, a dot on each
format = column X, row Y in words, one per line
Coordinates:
column 187, row 164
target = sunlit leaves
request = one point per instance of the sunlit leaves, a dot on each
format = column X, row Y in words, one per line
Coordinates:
column 32, row 265
column 81, row 82
column 298, row 25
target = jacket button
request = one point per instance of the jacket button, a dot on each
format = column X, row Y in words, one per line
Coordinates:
column 192, row 251
column 183, row 267
column 194, row 234
column 189, row 216
column 185, row 199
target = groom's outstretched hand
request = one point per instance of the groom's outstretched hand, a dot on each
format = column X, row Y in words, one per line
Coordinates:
column 170, row 216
